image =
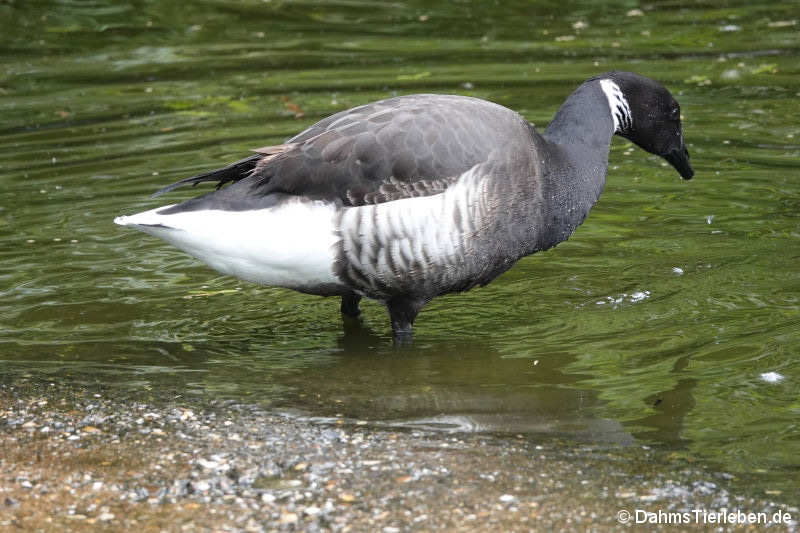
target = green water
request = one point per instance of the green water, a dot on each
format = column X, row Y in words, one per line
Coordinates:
column 653, row 324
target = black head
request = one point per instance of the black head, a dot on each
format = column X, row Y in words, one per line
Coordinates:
column 653, row 120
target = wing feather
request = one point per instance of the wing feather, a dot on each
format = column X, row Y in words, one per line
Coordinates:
column 403, row 147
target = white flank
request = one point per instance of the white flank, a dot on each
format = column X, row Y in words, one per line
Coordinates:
column 289, row 245
column 618, row 105
column 381, row 240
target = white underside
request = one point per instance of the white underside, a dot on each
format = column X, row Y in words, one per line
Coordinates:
column 289, row 245
column 390, row 240
column 294, row 243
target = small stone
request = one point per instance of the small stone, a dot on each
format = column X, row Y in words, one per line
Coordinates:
column 207, row 464
column 106, row 516
column 267, row 497
column 347, row 497
column 289, row 518
column 635, row 13
column 508, row 498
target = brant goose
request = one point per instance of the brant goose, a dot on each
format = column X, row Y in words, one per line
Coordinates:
column 411, row 197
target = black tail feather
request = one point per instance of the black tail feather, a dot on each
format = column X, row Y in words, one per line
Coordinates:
column 233, row 172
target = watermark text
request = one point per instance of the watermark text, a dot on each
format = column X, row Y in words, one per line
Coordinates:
column 702, row 516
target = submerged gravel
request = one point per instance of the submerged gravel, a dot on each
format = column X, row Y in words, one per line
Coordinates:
column 87, row 458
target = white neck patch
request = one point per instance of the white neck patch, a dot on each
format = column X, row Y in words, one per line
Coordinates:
column 620, row 111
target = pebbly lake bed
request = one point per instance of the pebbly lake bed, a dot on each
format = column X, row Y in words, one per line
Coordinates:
column 87, row 458
column 649, row 362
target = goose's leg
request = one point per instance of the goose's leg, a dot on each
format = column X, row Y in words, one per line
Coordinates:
column 350, row 305
column 402, row 312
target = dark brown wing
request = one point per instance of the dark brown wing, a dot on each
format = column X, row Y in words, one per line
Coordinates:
column 233, row 172
column 401, row 147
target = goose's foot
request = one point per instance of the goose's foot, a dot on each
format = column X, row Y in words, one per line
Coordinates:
column 402, row 312
column 350, row 305
column 352, row 325
column 403, row 337
column 352, row 322
column 357, row 337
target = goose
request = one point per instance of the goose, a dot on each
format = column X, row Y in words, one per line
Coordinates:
column 408, row 198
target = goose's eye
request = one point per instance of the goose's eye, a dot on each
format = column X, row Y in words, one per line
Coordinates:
column 675, row 113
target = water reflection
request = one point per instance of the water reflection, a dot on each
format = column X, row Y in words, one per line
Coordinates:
column 452, row 386
column 670, row 408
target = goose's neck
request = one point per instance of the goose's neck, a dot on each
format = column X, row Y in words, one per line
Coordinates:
column 579, row 137
column 584, row 121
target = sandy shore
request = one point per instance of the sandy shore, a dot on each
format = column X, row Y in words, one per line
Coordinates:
column 91, row 458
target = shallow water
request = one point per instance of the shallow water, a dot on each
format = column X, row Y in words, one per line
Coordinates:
column 671, row 318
